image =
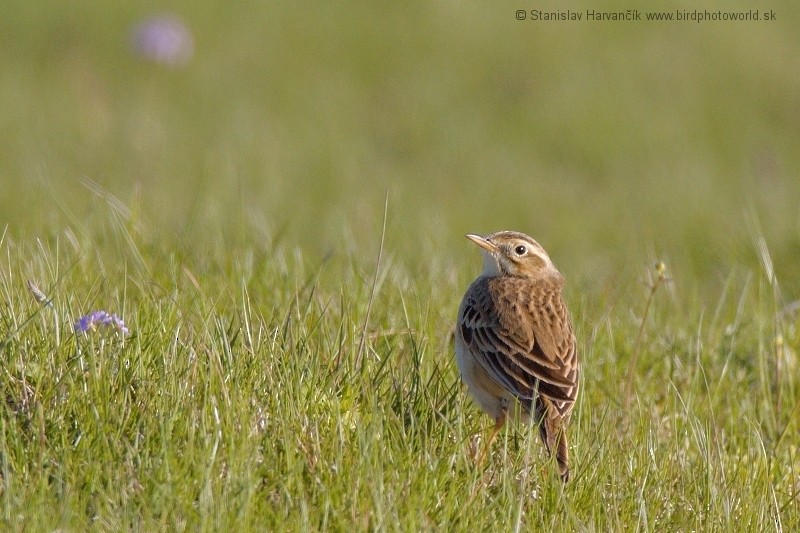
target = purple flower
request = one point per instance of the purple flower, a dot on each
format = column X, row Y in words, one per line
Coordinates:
column 96, row 319
column 163, row 39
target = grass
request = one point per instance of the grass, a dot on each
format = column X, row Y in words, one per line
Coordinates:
column 290, row 364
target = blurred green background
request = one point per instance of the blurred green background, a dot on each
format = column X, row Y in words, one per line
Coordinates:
column 612, row 143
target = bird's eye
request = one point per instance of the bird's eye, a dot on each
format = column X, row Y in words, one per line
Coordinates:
column 520, row 250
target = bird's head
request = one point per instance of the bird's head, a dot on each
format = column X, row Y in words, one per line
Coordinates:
column 513, row 253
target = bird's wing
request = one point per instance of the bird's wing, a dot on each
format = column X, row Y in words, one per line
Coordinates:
column 529, row 356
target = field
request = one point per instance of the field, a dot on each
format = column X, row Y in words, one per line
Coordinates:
column 279, row 218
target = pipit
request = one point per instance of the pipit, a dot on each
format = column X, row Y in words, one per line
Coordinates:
column 515, row 343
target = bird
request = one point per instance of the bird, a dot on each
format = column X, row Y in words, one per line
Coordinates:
column 515, row 343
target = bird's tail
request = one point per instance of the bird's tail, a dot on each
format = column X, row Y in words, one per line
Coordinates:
column 552, row 429
column 562, row 455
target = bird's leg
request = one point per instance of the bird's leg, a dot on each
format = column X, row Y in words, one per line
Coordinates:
column 499, row 422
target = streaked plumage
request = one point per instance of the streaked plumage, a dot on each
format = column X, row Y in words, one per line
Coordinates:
column 515, row 342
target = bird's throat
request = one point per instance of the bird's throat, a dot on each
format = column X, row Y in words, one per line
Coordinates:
column 491, row 265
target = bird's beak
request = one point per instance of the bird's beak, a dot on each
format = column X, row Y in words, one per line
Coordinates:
column 483, row 243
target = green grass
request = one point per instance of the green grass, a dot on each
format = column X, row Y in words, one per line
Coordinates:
column 278, row 376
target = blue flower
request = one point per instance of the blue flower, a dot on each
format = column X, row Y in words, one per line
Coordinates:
column 96, row 319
